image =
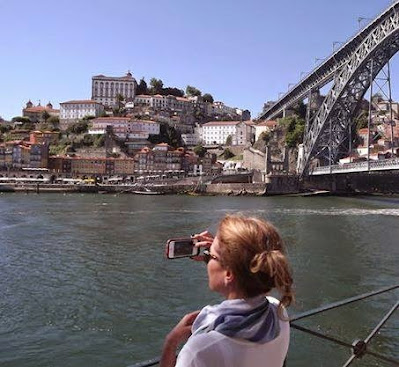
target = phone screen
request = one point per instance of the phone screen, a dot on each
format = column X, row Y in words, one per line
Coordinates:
column 183, row 247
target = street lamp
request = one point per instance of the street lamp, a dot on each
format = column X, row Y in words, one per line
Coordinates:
column 361, row 19
column 335, row 43
column 317, row 59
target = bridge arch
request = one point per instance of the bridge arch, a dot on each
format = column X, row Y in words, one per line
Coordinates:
column 329, row 128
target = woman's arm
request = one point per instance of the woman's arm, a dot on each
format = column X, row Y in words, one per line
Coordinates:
column 179, row 333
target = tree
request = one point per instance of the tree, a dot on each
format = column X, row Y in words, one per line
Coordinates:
column 45, row 116
column 167, row 134
column 156, row 86
column 227, row 154
column 77, row 128
column 142, row 87
column 28, row 126
column 200, row 151
column 208, row 98
column 300, row 110
column 229, row 140
column 193, row 92
column 173, row 92
column 362, row 120
column 5, row 128
column 88, row 117
column 295, row 127
column 22, row 119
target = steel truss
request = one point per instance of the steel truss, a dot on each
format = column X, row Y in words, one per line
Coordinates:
column 328, row 130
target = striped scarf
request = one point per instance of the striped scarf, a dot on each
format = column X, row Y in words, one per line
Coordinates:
column 255, row 319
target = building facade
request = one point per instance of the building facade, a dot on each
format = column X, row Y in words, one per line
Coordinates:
column 77, row 166
column 37, row 113
column 217, row 132
column 105, row 89
column 125, row 127
column 72, row 111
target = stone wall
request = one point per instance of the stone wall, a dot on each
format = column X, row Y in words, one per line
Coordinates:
column 254, row 159
column 373, row 182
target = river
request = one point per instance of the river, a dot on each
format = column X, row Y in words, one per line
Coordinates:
column 84, row 281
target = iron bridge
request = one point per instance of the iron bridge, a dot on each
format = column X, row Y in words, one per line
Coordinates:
column 351, row 71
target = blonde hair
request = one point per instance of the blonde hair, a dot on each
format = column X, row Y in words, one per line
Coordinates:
column 254, row 251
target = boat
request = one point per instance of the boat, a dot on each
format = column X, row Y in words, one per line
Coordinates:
column 149, row 192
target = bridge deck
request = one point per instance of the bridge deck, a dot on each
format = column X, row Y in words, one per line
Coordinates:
column 383, row 165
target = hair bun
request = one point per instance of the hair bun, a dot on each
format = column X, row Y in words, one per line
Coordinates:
column 258, row 262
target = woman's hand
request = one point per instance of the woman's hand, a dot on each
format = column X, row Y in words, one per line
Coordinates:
column 179, row 333
column 182, row 330
column 205, row 240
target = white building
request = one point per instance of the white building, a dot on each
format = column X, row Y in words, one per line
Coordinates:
column 73, row 111
column 190, row 139
column 124, row 127
column 217, row 132
column 264, row 126
column 164, row 102
column 106, row 88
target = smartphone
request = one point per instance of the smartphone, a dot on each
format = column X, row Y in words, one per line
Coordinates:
column 181, row 247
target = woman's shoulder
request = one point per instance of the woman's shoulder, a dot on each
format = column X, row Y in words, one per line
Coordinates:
column 273, row 301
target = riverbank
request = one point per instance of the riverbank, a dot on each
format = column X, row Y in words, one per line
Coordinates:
column 233, row 189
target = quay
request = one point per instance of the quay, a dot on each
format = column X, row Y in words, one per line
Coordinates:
column 335, row 184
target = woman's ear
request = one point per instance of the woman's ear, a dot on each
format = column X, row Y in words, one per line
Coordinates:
column 228, row 277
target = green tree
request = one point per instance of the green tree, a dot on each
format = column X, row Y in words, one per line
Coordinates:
column 156, row 86
column 295, row 127
column 193, row 92
column 22, row 119
column 227, row 154
column 28, row 126
column 77, row 128
column 173, row 92
column 300, row 110
column 229, row 140
column 99, row 141
column 45, row 116
column 362, row 120
column 88, row 118
column 142, row 87
column 5, row 128
column 200, row 151
column 167, row 134
column 88, row 140
column 207, row 98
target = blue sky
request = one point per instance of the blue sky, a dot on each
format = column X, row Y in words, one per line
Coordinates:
column 242, row 52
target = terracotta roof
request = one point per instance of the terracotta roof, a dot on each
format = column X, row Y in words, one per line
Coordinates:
column 40, row 109
column 83, row 101
column 112, row 118
column 269, row 123
column 363, row 131
column 221, row 123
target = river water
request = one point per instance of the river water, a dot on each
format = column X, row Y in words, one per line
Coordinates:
column 83, row 279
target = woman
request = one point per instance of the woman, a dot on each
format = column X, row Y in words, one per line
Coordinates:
column 245, row 261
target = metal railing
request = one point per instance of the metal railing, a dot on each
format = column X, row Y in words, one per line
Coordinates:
column 381, row 165
column 359, row 348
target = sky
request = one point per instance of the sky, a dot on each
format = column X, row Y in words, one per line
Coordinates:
column 244, row 53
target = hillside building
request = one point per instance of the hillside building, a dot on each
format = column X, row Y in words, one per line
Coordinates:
column 105, row 89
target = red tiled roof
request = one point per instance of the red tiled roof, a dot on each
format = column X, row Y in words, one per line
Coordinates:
column 83, row 101
column 269, row 123
column 112, row 118
column 221, row 123
column 40, row 109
